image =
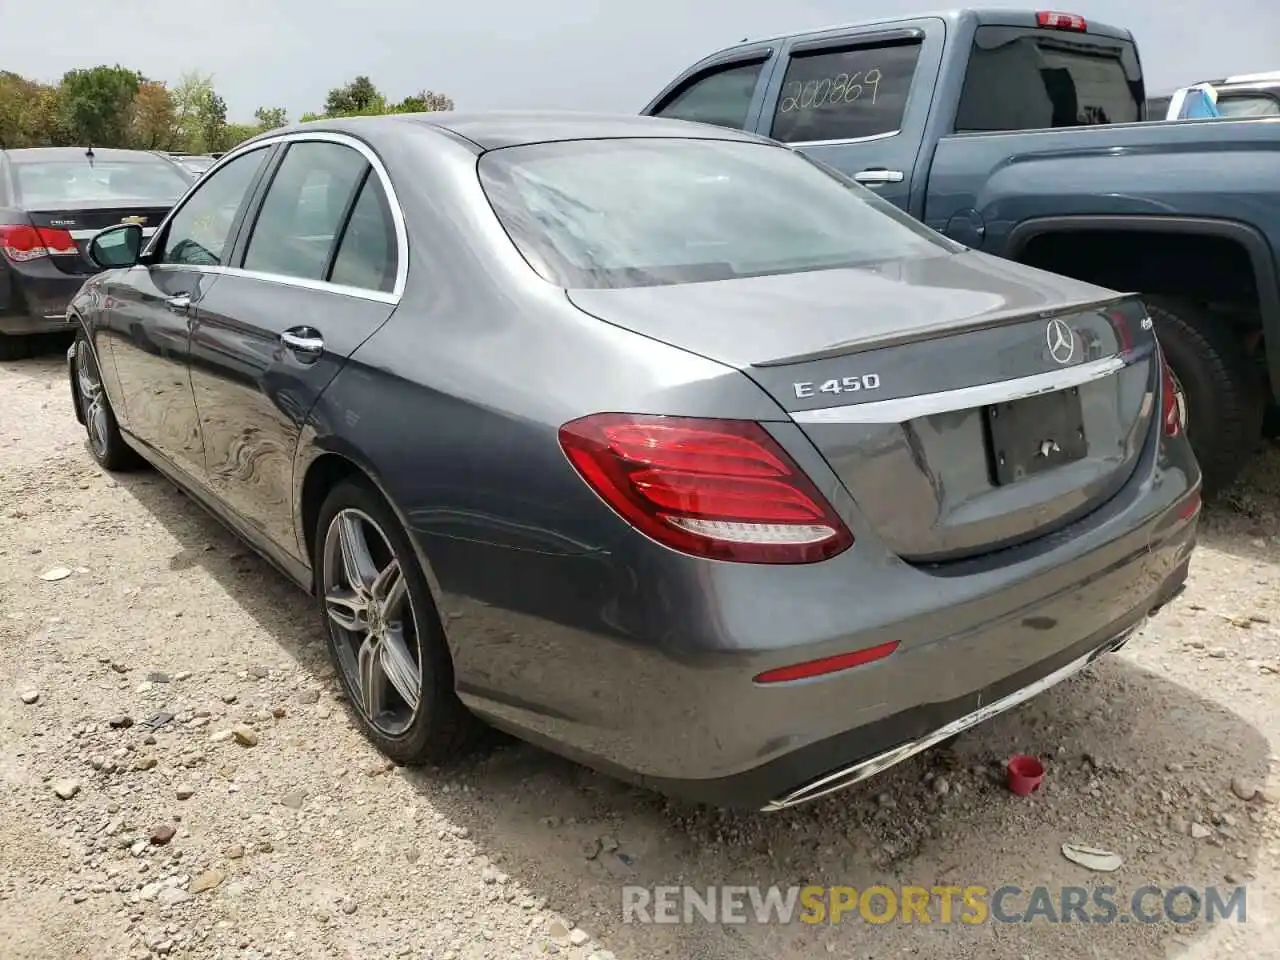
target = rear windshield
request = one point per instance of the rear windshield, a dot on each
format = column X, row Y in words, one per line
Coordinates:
column 634, row 212
column 68, row 181
column 1020, row 79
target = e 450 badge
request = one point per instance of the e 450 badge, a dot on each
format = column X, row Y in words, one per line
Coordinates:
column 811, row 388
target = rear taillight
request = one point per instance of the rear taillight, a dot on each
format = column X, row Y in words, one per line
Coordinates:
column 1050, row 20
column 20, row 242
column 722, row 489
column 1170, row 412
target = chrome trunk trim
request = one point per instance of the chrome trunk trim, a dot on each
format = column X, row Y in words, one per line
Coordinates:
column 902, row 409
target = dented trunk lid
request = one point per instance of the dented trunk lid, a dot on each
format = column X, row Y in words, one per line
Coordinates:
column 967, row 403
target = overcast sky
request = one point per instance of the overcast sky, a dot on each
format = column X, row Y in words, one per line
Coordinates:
column 573, row 54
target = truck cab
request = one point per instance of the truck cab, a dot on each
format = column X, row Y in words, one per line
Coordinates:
column 1025, row 134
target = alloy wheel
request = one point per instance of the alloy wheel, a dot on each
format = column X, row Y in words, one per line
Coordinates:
column 93, row 400
column 372, row 620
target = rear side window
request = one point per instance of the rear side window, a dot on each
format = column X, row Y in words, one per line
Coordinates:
column 722, row 97
column 68, row 181
column 367, row 254
column 846, row 94
column 1020, row 79
column 304, row 209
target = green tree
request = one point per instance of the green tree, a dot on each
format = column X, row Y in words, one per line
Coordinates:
column 271, row 117
column 96, row 104
column 201, row 113
column 212, row 115
column 423, row 102
column 359, row 96
column 29, row 112
column 237, row 133
column 153, row 123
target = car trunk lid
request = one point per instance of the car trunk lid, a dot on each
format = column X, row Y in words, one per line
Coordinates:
column 69, row 228
column 966, row 403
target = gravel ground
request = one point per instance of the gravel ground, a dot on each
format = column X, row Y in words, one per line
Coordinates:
column 259, row 823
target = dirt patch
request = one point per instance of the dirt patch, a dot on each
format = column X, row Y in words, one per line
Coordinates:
column 186, row 841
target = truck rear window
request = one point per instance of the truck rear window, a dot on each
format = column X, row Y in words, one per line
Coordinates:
column 1020, row 79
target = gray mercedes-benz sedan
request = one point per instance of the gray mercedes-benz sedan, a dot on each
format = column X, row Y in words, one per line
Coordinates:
column 654, row 443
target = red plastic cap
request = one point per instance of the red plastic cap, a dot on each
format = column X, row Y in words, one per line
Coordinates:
column 1052, row 20
column 721, row 489
column 1025, row 773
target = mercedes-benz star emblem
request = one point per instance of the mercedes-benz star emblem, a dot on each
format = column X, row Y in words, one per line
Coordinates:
column 1061, row 341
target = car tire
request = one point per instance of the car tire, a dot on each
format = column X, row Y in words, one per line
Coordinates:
column 1221, row 383
column 14, row 348
column 386, row 633
column 106, row 443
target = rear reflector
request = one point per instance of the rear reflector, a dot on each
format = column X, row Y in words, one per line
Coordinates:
column 20, row 242
column 721, row 489
column 1191, row 507
column 1050, row 20
column 820, row 668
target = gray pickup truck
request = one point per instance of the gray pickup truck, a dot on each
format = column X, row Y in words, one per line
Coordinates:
column 1024, row 135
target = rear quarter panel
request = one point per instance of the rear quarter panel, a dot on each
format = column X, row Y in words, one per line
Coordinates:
column 453, row 409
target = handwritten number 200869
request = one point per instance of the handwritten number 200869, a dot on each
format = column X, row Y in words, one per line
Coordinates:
column 830, row 91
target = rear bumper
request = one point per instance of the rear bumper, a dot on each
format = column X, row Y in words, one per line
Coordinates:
column 940, row 722
column 931, row 693
column 695, row 726
column 34, row 297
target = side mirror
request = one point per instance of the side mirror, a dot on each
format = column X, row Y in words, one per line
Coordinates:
column 118, row 246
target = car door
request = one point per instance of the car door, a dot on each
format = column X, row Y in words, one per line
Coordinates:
column 858, row 101
column 727, row 91
column 152, row 305
column 319, row 267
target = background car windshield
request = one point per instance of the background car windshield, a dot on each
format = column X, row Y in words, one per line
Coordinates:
column 1259, row 105
column 64, row 181
column 618, row 213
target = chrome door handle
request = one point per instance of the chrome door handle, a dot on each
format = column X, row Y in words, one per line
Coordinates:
column 879, row 176
column 179, row 304
column 303, row 341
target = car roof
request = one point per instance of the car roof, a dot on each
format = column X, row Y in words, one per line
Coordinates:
column 983, row 16
column 493, row 130
column 64, row 154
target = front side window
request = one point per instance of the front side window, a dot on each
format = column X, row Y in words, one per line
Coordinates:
column 722, row 98
column 846, row 94
column 688, row 210
column 1020, row 79
column 304, row 209
column 200, row 233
